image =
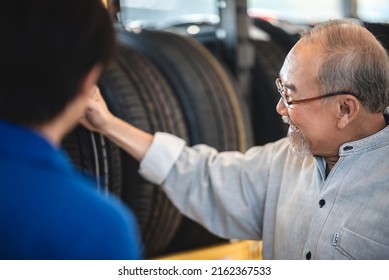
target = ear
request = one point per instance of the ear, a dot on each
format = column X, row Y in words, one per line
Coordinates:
column 89, row 81
column 348, row 110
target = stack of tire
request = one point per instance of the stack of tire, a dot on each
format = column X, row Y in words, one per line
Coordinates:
column 270, row 52
column 271, row 45
column 160, row 81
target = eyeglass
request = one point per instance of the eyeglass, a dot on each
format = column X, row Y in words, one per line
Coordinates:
column 289, row 101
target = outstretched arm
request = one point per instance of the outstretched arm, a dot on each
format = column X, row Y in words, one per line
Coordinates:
column 225, row 192
column 99, row 119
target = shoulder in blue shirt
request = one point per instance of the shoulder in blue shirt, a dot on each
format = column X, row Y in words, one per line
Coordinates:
column 49, row 211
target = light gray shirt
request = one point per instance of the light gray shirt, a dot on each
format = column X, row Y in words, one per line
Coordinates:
column 288, row 202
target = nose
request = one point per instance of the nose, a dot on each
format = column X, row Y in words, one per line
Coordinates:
column 281, row 108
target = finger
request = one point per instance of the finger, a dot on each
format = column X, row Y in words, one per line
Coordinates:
column 85, row 123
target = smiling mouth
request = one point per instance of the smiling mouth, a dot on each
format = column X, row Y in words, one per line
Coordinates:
column 298, row 144
column 292, row 128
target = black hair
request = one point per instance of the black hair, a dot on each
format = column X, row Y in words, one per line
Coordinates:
column 47, row 47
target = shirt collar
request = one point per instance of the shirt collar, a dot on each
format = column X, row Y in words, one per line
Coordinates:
column 375, row 141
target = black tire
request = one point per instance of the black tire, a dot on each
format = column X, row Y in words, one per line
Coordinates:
column 267, row 123
column 136, row 92
column 96, row 157
column 214, row 113
column 284, row 40
column 212, row 110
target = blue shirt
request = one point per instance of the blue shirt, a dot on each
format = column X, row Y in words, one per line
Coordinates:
column 49, row 211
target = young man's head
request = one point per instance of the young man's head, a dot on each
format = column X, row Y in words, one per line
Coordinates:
column 47, row 50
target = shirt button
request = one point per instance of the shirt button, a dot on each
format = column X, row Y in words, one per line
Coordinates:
column 348, row 148
column 308, row 255
column 322, row 202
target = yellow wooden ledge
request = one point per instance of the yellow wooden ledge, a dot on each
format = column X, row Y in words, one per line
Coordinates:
column 235, row 250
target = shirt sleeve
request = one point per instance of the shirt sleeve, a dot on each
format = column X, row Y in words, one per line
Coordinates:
column 225, row 192
column 163, row 153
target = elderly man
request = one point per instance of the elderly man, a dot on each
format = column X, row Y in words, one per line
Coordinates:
column 322, row 194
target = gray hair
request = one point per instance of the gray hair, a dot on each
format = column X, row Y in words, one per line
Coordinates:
column 352, row 60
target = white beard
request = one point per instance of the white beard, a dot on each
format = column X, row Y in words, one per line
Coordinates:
column 298, row 145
